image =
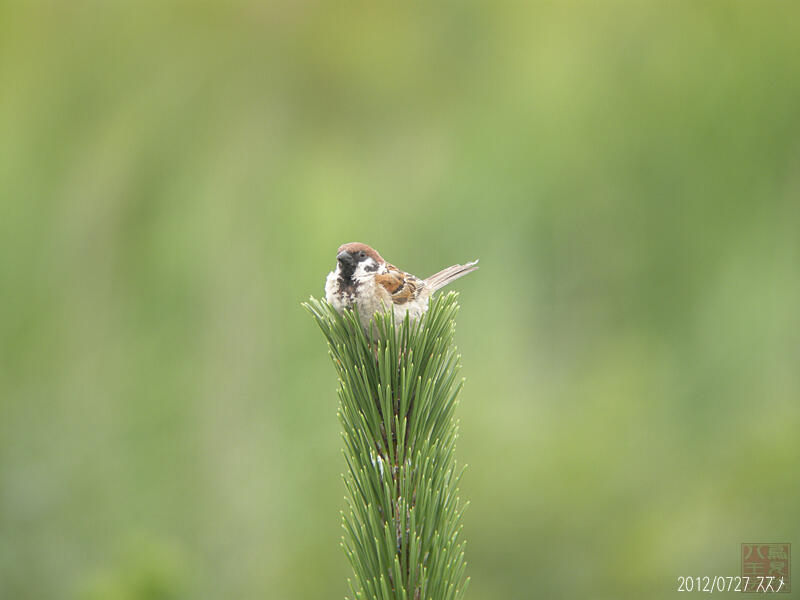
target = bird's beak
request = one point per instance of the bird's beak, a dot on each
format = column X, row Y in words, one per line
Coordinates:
column 345, row 259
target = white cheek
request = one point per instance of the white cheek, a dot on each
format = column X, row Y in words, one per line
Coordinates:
column 366, row 268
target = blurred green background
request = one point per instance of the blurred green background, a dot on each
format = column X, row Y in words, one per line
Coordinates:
column 175, row 180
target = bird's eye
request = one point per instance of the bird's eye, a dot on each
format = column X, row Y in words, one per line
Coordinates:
column 362, row 255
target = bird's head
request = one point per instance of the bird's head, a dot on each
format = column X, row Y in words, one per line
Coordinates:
column 356, row 260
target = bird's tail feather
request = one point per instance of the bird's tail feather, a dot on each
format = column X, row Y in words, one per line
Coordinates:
column 445, row 276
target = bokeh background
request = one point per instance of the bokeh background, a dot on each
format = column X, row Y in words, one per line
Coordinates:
column 175, row 179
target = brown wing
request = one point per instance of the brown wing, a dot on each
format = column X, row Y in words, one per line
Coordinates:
column 401, row 286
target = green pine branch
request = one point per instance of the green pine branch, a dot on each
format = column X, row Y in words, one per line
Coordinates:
column 397, row 397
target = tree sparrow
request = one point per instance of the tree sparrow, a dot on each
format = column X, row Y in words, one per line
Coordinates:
column 362, row 277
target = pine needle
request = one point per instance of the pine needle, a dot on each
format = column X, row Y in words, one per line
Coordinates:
column 397, row 396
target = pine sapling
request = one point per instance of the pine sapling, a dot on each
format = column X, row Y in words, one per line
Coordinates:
column 398, row 389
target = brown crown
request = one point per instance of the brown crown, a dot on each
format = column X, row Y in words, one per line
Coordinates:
column 354, row 247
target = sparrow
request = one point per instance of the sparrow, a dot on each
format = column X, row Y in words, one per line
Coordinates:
column 363, row 278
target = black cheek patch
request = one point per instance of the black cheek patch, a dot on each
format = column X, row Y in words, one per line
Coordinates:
column 372, row 267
